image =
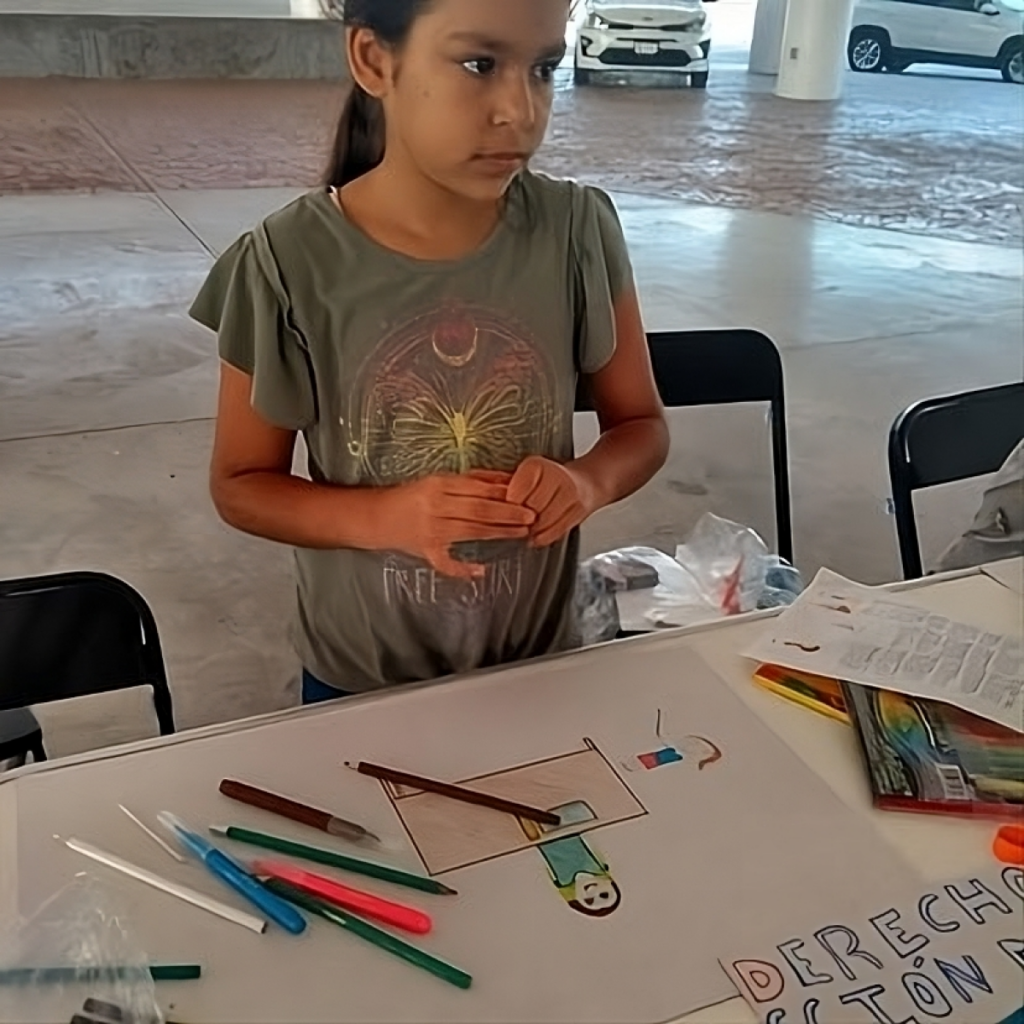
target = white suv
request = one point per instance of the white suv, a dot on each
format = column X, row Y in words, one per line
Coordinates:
column 644, row 35
column 890, row 35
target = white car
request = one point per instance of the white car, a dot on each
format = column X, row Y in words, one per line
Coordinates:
column 648, row 35
column 890, row 35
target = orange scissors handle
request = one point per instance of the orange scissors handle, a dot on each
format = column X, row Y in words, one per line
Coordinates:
column 1009, row 845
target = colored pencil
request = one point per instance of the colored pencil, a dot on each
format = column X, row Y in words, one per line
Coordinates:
column 334, row 860
column 818, row 693
column 302, row 813
column 166, row 847
column 182, row 892
column 371, row 933
column 44, row 975
column 469, row 796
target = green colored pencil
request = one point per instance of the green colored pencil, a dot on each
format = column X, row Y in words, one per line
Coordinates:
column 382, row 939
column 53, row 975
column 334, row 860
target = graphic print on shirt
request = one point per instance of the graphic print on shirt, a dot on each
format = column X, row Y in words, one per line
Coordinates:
column 456, row 389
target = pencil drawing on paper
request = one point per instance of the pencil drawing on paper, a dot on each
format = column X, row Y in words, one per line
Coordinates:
column 581, row 786
column 583, row 880
column 692, row 751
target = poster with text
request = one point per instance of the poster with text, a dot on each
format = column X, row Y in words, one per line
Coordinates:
column 954, row 954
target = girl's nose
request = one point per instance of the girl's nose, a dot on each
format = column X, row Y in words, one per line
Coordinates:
column 515, row 105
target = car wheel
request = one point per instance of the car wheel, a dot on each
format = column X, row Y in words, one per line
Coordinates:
column 1012, row 65
column 699, row 80
column 868, row 49
column 582, row 76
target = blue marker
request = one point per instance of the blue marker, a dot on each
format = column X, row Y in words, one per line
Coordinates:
column 233, row 874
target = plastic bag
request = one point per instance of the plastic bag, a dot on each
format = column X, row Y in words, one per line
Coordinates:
column 85, row 928
column 631, row 568
column 722, row 569
column 731, row 570
column 595, row 614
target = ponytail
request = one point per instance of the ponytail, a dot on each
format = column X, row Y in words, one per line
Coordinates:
column 359, row 140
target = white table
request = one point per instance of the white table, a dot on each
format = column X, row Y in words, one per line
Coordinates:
column 939, row 848
column 1009, row 572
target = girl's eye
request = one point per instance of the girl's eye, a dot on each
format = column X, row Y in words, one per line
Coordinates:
column 546, row 71
column 481, row 66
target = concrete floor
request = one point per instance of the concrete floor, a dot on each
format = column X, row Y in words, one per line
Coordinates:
column 106, row 389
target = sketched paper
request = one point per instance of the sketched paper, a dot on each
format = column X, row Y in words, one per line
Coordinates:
column 847, row 631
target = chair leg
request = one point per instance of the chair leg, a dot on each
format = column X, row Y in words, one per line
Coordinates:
column 37, row 750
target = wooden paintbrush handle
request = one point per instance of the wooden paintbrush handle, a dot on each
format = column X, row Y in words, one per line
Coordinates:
column 275, row 804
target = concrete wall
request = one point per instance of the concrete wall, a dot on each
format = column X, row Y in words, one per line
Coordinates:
column 187, row 8
column 106, row 46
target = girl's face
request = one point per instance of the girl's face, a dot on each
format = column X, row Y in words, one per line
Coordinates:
column 470, row 93
column 596, row 893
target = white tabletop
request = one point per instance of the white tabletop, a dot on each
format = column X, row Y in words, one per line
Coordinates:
column 937, row 847
column 1009, row 572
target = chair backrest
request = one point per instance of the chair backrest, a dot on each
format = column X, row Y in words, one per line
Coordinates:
column 941, row 440
column 75, row 634
column 720, row 367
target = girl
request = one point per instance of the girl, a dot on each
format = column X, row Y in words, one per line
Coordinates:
column 422, row 321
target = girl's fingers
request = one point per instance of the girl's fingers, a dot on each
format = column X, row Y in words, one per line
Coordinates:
column 545, row 495
column 490, row 476
column 443, row 563
column 490, row 513
column 526, row 480
column 550, row 534
column 486, row 531
column 468, row 487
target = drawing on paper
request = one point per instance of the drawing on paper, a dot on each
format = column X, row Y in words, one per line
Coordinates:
column 581, row 786
column 692, row 751
column 581, row 877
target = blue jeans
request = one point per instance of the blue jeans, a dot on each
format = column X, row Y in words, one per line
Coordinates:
column 316, row 692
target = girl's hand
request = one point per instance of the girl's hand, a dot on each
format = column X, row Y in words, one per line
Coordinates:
column 435, row 513
column 560, row 496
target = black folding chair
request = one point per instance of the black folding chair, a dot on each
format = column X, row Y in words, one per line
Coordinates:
column 724, row 367
column 71, row 635
column 941, row 440
column 20, row 735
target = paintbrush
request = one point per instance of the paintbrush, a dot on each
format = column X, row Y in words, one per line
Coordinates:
column 446, row 789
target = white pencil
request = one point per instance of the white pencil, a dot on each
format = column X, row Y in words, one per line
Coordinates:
column 166, row 847
column 182, row 892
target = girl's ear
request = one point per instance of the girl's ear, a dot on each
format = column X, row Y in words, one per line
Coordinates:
column 369, row 61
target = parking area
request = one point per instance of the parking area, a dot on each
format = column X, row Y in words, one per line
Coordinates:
column 935, row 151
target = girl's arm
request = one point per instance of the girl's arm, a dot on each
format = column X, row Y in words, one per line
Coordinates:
column 634, row 438
column 633, row 445
column 253, row 489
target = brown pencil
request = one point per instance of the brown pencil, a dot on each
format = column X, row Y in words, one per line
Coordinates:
column 322, row 820
column 469, row 796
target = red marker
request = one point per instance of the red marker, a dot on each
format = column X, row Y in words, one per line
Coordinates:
column 408, row 918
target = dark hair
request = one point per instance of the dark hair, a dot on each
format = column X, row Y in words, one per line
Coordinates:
column 359, row 140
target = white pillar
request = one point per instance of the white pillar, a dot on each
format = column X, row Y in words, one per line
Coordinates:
column 766, row 44
column 814, row 49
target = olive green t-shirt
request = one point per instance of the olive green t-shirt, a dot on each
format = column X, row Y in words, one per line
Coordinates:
column 394, row 369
